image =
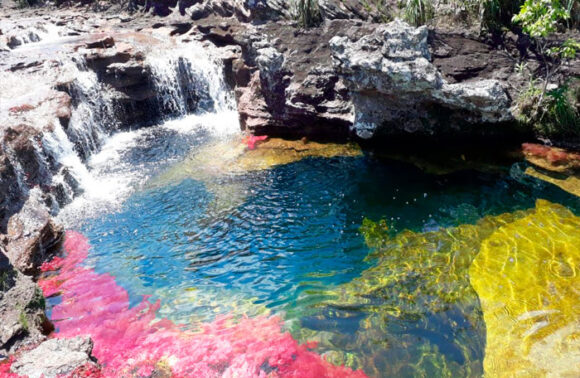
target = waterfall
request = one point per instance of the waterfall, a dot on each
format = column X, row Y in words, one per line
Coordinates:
column 93, row 117
column 34, row 32
column 191, row 98
column 88, row 159
column 187, row 80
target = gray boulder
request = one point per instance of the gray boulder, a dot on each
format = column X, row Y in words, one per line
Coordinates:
column 22, row 317
column 32, row 235
column 55, row 357
column 395, row 88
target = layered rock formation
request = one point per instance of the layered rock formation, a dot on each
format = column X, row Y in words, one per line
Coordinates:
column 32, row 236
column 395, row 87
column 23, row 321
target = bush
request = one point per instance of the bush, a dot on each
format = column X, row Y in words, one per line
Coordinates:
column 306, row 12
column 27, row 3
column 498, row 14
column 417, row 12
column 558, row 115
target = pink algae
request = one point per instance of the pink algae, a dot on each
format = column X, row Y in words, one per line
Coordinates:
column 132, row 342
column 251, row 140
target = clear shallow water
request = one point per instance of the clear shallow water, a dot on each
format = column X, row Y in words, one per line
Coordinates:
column 291, row 244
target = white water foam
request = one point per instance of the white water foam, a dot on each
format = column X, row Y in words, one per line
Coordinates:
column 114, row 177
column 94, row 167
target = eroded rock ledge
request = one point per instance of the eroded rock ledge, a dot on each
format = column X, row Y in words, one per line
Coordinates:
column 395, row 87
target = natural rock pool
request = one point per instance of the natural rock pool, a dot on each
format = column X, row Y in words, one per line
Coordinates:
column 198, row 246
column 373, row 264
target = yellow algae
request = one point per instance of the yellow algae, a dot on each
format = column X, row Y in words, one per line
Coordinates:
column 204, row 304
column 419, row 279
column 233, row 157
column 438, row 259
column 527, row 279
column 218, row 164
column 570, row 183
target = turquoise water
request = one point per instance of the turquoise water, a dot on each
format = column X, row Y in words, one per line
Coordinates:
column 293, row 235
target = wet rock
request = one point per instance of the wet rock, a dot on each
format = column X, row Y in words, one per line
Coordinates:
column 555, row 165
column 9, row 188
column 552, row 158
column 395, row 88
column 102, row 43
column 21, row 143
column 62, row 107
column 121, row 75
column 32, row 235
column 55, row 357
column 297, row 91
column 22, row 317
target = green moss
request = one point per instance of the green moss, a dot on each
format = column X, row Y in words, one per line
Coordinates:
column 23, row 319
column 38, row 301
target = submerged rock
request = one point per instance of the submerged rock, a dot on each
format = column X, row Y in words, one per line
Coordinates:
column 395, row 88
column 571, row 183
column 219, row 165
column 55, row 358
column 552, row 158
column 557, row 166
column 415, row 296
column 234, row 157
column 32, row 235
column 526, row 276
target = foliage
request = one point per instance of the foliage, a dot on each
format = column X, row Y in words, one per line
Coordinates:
column 307, row 13
column 417, row 12
column 497, row 14
column 553, row 111
column 561, row 117
column 23, row 320
column 567, row 50
column 558, row 116
column 539, row 18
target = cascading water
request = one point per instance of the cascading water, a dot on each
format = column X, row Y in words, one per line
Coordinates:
column 93, row 117
column 188, row 80
column 89, row 155
column 194, row 103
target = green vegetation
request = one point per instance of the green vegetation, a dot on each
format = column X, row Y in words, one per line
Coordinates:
column 552, row 111
column 558, row 114
column 27, row 3
column 496, row 15
column 306, row 12
column 417, row 12
column 22, row 318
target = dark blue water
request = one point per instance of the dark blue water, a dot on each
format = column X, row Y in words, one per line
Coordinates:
column 292, row 235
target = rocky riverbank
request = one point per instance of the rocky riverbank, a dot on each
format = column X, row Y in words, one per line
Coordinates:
column 70, row 77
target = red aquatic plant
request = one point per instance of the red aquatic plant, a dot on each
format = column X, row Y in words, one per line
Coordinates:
column 131, row 341
column 251, row 140
column 5, row 369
